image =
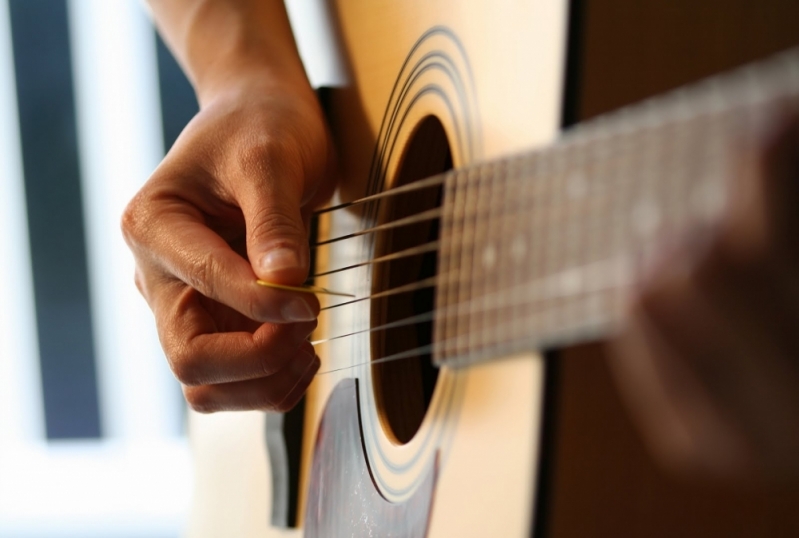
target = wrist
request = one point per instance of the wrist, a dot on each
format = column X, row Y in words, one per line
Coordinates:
column 220, row 44
column 240, row 75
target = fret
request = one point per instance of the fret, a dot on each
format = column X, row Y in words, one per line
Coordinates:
column 446, row 296
column 491, row 258
column 542, row 248
column 465, row 259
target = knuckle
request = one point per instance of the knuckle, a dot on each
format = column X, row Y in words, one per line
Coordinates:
column 138, row 280
column 255, row 308
column 269, row 221
column 202, row 275
column 283, row 406
column 269, row 364
column 254, row 400
column 200, row 399
column 184, row 367
column 266, row 155
column 134, row 221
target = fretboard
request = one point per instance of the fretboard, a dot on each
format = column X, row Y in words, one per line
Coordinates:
column 542, row 249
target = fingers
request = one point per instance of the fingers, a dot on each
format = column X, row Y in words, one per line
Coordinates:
column 223, row 209
column 278, row 392
column 679, row 362
column 277, row 239
column 709, row 361
column 680, row 423
column 762, row 219
column 174, row 242
column 207, row 342
column 780, row 180
column 227, row 362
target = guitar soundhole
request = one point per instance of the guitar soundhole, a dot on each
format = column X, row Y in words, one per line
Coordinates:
column 404, row 387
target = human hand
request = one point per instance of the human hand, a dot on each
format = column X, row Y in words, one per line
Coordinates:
column 710, row 362
column 229, row 204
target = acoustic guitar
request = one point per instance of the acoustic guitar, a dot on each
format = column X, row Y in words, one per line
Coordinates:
column 472, row 234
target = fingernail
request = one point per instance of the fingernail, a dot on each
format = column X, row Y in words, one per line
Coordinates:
column 280, row 258
column 297, row 310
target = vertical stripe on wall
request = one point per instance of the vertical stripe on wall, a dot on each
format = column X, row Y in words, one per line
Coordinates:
column 55, row 217
column 119, row 133
column 21, row 414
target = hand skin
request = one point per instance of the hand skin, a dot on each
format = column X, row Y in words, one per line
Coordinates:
column 710, row 363
column 229, row 204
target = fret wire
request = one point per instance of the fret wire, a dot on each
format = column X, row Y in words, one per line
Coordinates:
column 503, row 261
column 457, row 195
column 534, row 191
column 442, row 298
column 471, row 227
column 483, row 197
column 496, row 229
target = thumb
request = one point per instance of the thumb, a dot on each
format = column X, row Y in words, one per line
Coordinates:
column 277, row 240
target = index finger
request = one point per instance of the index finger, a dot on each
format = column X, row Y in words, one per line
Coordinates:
column 178, row 241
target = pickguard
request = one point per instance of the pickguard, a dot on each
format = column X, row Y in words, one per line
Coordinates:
column 343, row 499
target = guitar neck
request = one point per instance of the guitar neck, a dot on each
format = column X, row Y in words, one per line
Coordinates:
column 542, row 249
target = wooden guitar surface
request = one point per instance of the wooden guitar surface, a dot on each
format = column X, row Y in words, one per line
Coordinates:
column 458, row 62
column 464, row 460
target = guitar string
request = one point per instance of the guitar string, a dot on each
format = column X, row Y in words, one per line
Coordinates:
column 405, row 221
column 407, row 288
column 543, row 186
column 427, row 183
column 772, row 83
column 544, row 215
column 524, row 167
column 530, row 293
column 460, row 340
column 384, row 359
column 419, row 318
column 525, row 319
column 430, row 246
column 426, row 248
column 468, row 305
column 610, row 274
column 520, row 168
column 465, row 176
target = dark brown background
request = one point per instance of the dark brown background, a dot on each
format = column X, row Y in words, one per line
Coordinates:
column 603, row 482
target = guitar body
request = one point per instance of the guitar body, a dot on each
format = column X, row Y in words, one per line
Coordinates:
column 390, row 449
column 477, row 443
column 476, row 448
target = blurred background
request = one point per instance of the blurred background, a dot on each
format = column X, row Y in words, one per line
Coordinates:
column 92, row 439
